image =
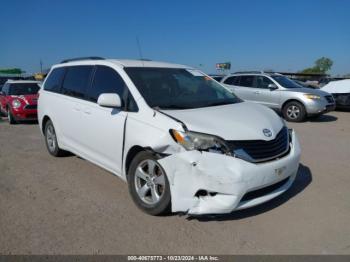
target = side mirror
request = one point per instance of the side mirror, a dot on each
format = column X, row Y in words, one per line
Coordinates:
column 109, row 100
column 272, row 87
column 2, row 93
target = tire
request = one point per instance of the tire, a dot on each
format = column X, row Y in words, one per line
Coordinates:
column 10, row 117
column 294, row 112
column 51, row 140
column 149, row 189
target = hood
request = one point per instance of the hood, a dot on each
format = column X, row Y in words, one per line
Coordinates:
column 241, row 121
column 28, row 99
column 338, row 87
column 308, row 91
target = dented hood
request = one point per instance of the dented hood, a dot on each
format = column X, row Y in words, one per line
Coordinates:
column 241, row 121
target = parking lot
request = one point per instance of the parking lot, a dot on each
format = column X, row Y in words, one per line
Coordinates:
column 69, row 206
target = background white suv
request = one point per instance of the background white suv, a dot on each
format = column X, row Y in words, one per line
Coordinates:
column 182, row 141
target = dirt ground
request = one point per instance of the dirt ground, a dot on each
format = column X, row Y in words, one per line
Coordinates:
column 69, row 206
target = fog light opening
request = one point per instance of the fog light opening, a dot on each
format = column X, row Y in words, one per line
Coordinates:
column 203, row 193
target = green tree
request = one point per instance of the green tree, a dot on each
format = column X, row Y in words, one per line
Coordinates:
column 322, row 66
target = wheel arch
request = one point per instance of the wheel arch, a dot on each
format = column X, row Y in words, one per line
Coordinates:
column 44, row 121
column 133, row 151
column 292, row 100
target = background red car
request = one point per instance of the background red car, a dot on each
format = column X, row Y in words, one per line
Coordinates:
column 18, row 100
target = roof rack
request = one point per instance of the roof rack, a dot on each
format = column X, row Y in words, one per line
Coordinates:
column 251, row 72
column 82, row 58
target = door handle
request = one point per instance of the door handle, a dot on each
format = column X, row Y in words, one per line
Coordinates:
column 256, row 92
column 77, row 108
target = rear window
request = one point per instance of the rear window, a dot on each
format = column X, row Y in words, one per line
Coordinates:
column 54, row 81
column 23, row 89
column 76, row 80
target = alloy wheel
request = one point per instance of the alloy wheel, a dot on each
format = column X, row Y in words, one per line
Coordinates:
column 293, row 112
column 149, row 182
column 51, row 138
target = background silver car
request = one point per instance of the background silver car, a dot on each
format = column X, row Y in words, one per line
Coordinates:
column 280, row 93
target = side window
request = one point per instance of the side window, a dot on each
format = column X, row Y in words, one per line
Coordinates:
column 263, row 82
column 106, row 80
column 54, row 81
column 247, row 81
column 229, row 80
column 76, row 80
column 236, row 80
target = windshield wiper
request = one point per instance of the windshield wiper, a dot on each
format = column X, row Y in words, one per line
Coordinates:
column 220, row 103
column 170, row 107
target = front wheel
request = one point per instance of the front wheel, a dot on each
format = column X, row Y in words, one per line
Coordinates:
column 294, row 112
column 148, row 184
column 51, row 140
column 10, row 118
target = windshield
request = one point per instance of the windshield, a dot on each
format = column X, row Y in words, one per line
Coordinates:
column 286, row 82
column 23, row 89
column 174, row 88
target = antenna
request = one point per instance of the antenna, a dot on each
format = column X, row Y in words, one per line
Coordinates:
column 140, row 51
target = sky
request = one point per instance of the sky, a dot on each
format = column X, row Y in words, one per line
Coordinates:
column 253, row 35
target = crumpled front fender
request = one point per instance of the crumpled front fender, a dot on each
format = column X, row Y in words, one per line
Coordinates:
column 191, row 171
column 225, row 179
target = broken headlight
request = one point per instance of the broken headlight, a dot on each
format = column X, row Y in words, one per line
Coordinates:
column 198, row 141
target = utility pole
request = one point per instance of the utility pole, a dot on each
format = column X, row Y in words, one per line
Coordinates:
column 41, row 66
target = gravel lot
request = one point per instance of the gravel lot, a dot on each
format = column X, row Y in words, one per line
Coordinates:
column 69, row 206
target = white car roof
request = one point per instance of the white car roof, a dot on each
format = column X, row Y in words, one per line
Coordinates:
column 336, row 87
column 123, row 63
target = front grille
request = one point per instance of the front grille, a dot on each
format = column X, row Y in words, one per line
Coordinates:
column 31, row 107
column 261, row 150
column 329, row 99
column 264, row 191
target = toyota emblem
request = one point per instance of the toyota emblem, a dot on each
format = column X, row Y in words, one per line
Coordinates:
column 267, row 132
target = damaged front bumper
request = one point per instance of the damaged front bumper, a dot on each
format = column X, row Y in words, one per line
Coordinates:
column 212, row 183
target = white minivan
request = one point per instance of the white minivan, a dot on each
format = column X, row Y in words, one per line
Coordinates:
column 182, row 141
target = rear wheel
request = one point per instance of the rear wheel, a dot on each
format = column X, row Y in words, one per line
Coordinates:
column 51, row 140
column 148, row 184
column 294, row 112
